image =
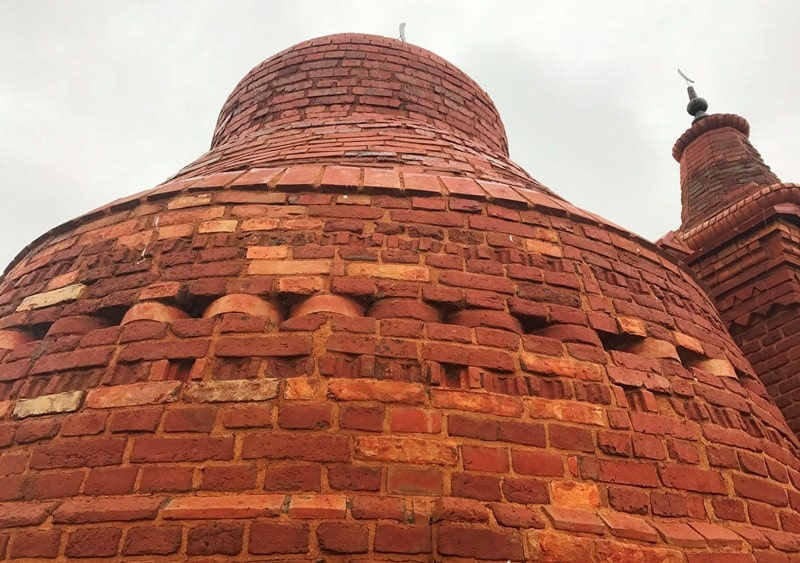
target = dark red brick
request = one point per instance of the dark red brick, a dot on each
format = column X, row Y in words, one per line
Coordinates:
column 216, row 538
column 161, row 540
column 275, row 539
column 402, row 538
column 343, row 538
column 93, row 542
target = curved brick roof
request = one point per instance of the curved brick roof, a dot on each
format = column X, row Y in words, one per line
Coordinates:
column 413, row 353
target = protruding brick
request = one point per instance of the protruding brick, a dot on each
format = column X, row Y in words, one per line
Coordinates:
column 221, row 508
column 108, row 509
column 575, row 520
column 150, row 393
column 48, row 298
column 629, row 527
column 49, row 404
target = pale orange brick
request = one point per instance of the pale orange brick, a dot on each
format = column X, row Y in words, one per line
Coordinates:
column 406, row 450
column 176, row 231
column 688, row 342
column 541, row 247
column 565, row 410
column 301, row 286
column 318, row 506
column 477, row 401
column 299, row 388
column 217, row 508
column 290, row 267
column 150, row 393
column 268, row 252
column 390, row 271
column 48, row 298
column 136, row 240
column 189, row 201
column 63, row 279
column 564, row 367
column 260, row 224
column 629, row 325
column 220, row 226
column 573, row 494
column 373, row 390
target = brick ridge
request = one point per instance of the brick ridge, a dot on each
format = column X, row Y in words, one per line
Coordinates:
column 513, row 196
column 730, row 222
column 632, row 529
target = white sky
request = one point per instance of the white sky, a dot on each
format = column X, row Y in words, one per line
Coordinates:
column 101, row 99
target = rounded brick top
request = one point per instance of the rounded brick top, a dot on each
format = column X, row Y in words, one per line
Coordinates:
column 715, row 121
column 351, row 74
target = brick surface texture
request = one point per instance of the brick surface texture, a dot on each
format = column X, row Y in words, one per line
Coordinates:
column 374, row 337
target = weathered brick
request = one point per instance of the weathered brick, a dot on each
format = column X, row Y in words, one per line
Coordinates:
column 20, row 514
column 305, row 417
column 160, row 540
column 152, row 392
column 343, row 538
column 108, row 509
column 411, row 481
column 265, row 346
column 229, row 477
column 402, row 538
column 354, row 478
column 92, row 452
column 629, row 527
column 406, row 450
column 693, row 479
column 295, row 446
column 273, row 538
column 234, row 390
column 479, row 542
column 223, row 538
column 93, row 542
column 477, row 458
column 49, row 404
column 110, row 481
column 292, row 477
column 474, row 401
column 485, row 487
column 368, row 418
column 372, row 390
column 223, row 507
column 189, row 419
column 35, row 544
column 572, row 438
column 84, row 424
column 152, row 449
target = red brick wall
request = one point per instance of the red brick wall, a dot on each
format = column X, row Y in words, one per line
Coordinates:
column 427, row 376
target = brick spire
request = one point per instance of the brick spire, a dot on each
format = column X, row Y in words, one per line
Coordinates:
column 719, row 167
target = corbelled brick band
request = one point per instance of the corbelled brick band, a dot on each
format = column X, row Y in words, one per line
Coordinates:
column 423, row 357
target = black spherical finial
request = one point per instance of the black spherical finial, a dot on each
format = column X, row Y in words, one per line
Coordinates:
column 697, row 106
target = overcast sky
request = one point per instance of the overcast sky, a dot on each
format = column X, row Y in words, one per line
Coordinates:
column 101, row 99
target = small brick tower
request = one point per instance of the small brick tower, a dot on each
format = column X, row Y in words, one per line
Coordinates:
column 354, row 330
column 740, row 237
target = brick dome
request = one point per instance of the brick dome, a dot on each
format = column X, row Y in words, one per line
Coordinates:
column 354, row 330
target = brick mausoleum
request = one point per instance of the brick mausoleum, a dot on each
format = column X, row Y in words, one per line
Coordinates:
column 354, row 330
